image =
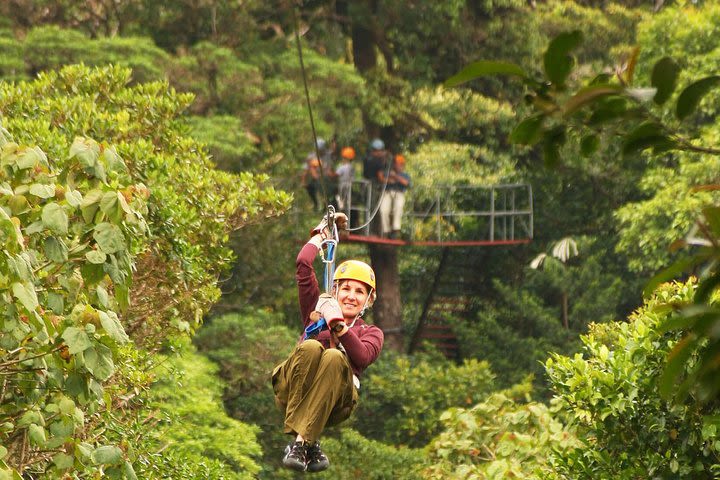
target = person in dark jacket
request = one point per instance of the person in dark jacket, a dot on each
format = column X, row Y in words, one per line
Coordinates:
column 317, row 385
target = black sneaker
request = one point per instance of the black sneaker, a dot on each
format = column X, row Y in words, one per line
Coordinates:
column 317, row 461
column 295, row 456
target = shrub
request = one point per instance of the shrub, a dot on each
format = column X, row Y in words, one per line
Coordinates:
column 402, row 397
column 497, row 439
column 353, row 456
column 247, row 346
column 610, row 392
column 194, row 428
column 69, row 236
column 83, row 222
column 189, row 224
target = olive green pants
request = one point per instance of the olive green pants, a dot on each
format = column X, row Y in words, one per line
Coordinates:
column 314, row 388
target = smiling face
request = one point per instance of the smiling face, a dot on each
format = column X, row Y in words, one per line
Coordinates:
column 351, row 296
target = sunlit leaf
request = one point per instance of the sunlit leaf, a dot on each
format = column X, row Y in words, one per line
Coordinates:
column 55, row 218
column 641, row 94
column 588, row 95
column 484, row 68
column 106, row 455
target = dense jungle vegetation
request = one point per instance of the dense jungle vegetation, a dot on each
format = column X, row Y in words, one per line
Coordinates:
column 151, row 211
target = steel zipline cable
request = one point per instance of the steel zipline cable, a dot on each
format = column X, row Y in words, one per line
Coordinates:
column 314, row 132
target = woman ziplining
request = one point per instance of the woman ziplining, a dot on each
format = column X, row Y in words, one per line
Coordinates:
column 318, row 384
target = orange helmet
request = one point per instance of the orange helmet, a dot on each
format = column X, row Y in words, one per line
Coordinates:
column 348, row 152
column 400, row 159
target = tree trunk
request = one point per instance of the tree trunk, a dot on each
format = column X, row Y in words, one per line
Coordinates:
column 387, row 312
column 565, row 321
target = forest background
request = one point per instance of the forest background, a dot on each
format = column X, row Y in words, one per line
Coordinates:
column 123, row 241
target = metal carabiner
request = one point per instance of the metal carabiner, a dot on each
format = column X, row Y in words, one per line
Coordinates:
column 328, row 248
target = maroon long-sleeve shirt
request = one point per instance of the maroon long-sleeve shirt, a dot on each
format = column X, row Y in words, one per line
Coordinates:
column 362, row 342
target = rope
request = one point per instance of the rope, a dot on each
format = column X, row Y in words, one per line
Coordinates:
column 309, row 105
column 377, row 207
column 314, row 132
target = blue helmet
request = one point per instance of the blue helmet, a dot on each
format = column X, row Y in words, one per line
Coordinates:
column 321, row 144
column 377, row 144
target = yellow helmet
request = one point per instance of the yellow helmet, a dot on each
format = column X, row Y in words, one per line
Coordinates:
column 355, row 270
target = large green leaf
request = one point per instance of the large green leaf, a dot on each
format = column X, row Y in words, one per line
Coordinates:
column 86, row 151
column 484, row 68
column 10, row 231
column 109, row 238
column 55, row 218
column 37, row 435
column 664, row 78
column 109, row 205
column 42, row 190
column 76, row 339
column 25, row 293
column 589, row 95
column 99, row 362
column 529, row 131
column 112, row 326
column 55, row 249
column 106, row 455
column 646, row 135
column 557, row 59
column 96, row 257
column 689, row 99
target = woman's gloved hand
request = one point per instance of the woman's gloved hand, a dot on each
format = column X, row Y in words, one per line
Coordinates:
column 329, row 308
column 341, row 221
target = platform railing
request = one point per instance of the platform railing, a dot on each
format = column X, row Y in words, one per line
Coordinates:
column 446, row 213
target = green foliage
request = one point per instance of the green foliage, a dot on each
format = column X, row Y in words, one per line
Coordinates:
column 466, row 117
column 516, row 321
column 402, row 397
column 649, row 226
column 677, row 33
column 194, row 427
column 224, row 339
column 76, row 238
column 228, row 141
column 353, row 456
column 12, row 66
column 220, row 82
column 69, row 239
column 50, row 47
column 496, row 439
column 246, row 347
column 189, row 225
column 610, row 392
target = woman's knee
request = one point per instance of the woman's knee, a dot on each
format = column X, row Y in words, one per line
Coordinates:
column 310, row 348
column 333, row 358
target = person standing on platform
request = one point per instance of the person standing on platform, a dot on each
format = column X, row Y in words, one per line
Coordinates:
column 392, row 203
